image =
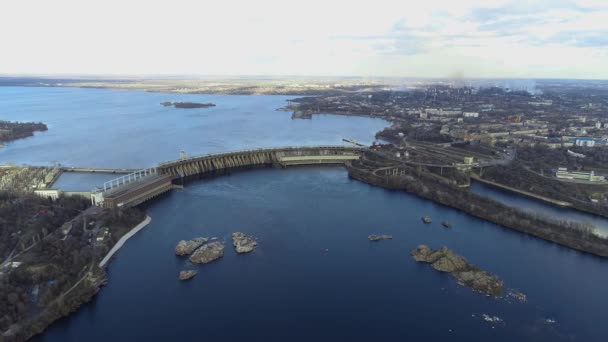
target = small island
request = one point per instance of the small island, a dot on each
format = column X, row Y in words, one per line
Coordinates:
column 444, row 260
column 243, row 243
column 379, row 237
column 186, row 275
column 10, row 131
column 187, row 247
column 187, row 105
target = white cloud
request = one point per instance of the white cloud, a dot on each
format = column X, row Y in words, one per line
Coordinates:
column 436, row 38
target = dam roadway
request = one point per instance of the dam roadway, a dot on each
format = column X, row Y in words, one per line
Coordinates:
column 140, row 186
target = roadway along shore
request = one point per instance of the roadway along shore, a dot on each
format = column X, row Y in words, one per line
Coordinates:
column 521, row 192
column 124, row 239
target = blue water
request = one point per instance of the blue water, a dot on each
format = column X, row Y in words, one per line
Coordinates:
column 600, row 224
column 316, row 277
column 130, row 129
column 83, row 181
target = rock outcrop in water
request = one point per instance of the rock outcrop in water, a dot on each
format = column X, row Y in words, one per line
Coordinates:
column 243, row 243
column 185, row 275
column 444, row 260
column 186, row 247
column 379, row 237
column 208, row 253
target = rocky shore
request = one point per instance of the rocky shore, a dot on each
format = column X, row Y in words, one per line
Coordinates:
column 207, row 253
column 243, row 243
column 444, row 260
column 185, row 247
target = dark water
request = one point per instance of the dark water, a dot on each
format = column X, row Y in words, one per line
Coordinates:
column 290, row 288
column 535, row 206
column 315, row 276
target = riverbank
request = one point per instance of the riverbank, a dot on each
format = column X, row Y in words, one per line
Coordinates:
column 568, row 234
column 522, row 192
column 58, row 287
column 124, row 239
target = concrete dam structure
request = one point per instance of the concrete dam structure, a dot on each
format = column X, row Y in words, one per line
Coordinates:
column 282, row 156
column 140, row 186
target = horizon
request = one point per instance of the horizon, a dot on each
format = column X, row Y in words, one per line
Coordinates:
column 218, row 77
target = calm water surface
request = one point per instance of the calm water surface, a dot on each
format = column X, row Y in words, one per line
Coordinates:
column 315, row 276
column 83, row 181
column 130, row 129
column 599, row 223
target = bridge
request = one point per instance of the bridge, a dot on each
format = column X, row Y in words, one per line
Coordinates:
column 139, row 186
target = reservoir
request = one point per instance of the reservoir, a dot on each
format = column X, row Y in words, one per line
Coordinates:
column 315, row 275
column 130, row 129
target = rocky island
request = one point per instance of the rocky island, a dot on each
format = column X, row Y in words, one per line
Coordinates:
column 243, row 243
column 444, row 260
column 207, row 253
column 185, row 275
column 379, row 237
column 187, row 247
column 187, row 105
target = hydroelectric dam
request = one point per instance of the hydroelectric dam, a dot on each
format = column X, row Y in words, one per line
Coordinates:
column 139, row 186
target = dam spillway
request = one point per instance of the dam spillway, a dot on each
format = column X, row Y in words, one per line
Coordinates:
column 282, row 156
column 140, row 189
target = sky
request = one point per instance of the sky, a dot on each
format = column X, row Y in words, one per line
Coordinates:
column 423, row 38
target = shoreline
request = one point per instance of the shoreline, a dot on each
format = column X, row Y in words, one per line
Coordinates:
column 124, row 239
column 79, row 294
column 561, row 204
column 515, row 219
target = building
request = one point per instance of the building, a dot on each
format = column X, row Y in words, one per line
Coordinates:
column 53, row 194
column 563, row 173
column 541, row 103
column 486, row 107
column 103, row 235
column 586, row 142
column 443, row 111
column 514, row 118
column 470, row 114
column 574, row 154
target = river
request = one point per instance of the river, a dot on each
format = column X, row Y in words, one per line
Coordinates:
column 600, row 224
column 314, row 276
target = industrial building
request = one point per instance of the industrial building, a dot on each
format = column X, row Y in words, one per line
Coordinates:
column 563, row 173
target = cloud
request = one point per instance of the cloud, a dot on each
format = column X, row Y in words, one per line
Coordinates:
column 338, row 37
column 583, row 39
